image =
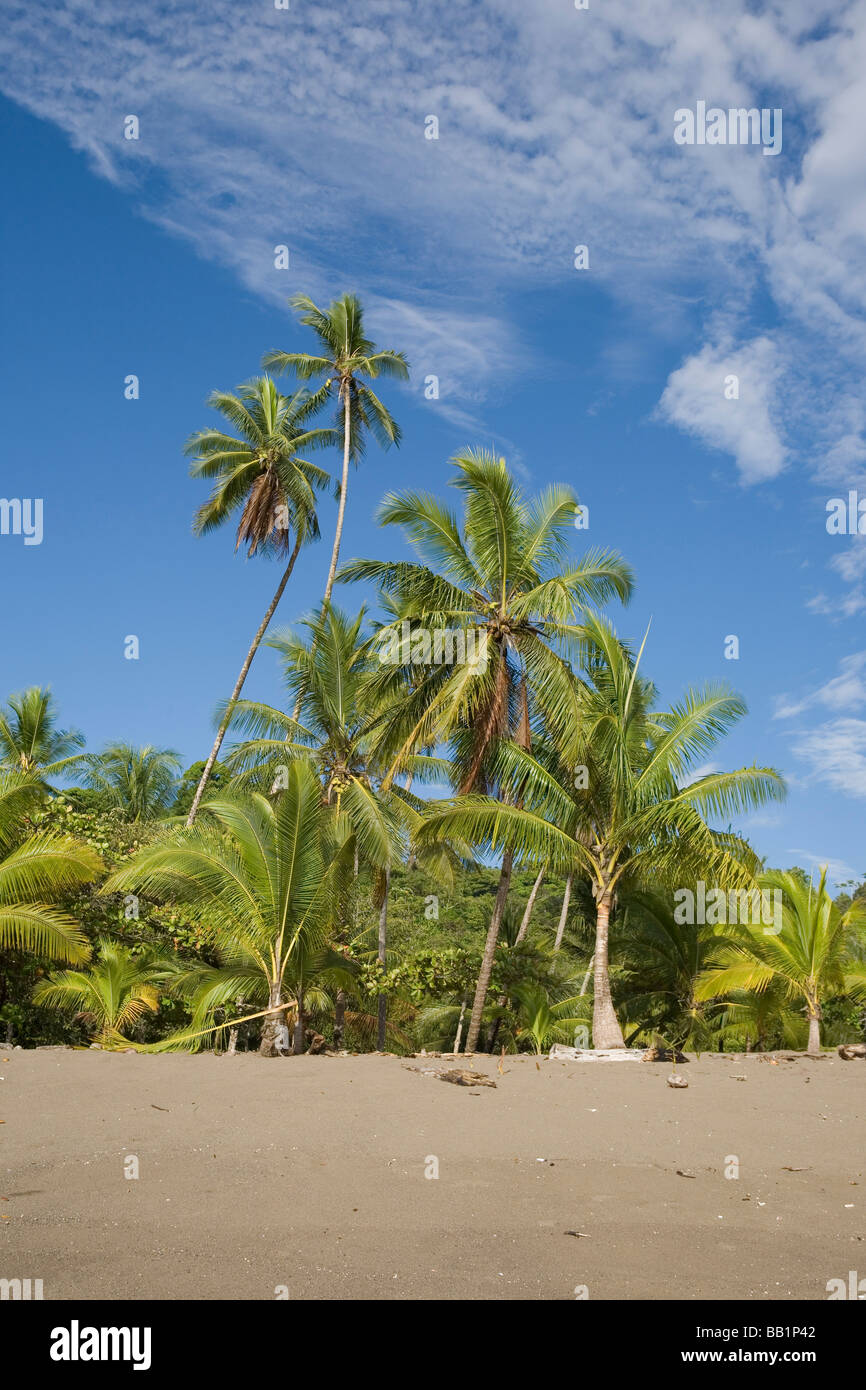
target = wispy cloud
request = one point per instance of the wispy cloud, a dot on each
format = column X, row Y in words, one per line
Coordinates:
column 307, row 127
column 845, row 691
column 836, row 754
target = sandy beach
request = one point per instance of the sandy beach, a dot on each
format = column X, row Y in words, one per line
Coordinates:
column 309, row 1173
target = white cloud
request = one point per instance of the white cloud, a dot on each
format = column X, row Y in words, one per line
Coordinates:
column 836, row 753
column 845, row 691
column 744, row 425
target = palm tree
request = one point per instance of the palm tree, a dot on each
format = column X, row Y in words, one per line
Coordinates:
column 506, row 578
column 36, row 871
column 543, row 1020
column 814, row 955
column 114, row 994
column 638, row 818
column 330, row 672
column 30, row 740
column 347, row 360
column 140, row 781
column 264, row 879
column 260, row 472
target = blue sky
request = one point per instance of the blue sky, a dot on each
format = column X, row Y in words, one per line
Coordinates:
column 306, row 127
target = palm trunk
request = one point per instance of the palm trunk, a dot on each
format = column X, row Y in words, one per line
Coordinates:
column 298, row 1037
column 489, row 951
column 233, row 1042
column 566, row 899
column 530, row 904
column 459, row 1034
column 814, row 1028
column 344, row 488
column 272, row 1028
column 606, row 1031
column 587, row 975
column 383, row 933
column 524, row 926
column 338, row 534
column 226, row 719
column 339, row 1019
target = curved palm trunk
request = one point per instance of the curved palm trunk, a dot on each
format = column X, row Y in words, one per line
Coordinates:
column 524, row 927
column 226, row 719
column 563, row 916
column 383, row 933
column 459, row 1034
column 606, row 1031
column 530, row 904
column 489, row 951
column 344, row 488
column 338, row 534
column 583, row 987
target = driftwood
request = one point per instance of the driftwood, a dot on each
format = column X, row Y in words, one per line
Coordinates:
column 663, row 1054
column 456, row 1075
column 560, row 1052
column 460, row 1077
column 315, row 1043
column 849, row 1051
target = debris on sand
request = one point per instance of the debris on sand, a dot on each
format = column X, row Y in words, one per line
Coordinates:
column 457, row 1075
column 677, row 1082
column 849, row 1051
column 663, row 1054
column 466, row 1078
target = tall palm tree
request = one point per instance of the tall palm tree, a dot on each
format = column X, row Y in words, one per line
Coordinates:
column 36, row 871
column 140, row 781
column 639, row 817
column 264, row 879
column 30, row 740
column 114, row 994
column 813, row 957
column 259, row 471
column 505, row 576
column 347, row 360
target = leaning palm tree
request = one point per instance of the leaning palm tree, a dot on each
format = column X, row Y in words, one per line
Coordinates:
column 504, row 584
column 347, row 360
column 30, row 740
column 117, row 991
column 140, row 781
column 635, row 817
column 260, row 473
column 37, row 870
column 814, row 955
column 263, row 878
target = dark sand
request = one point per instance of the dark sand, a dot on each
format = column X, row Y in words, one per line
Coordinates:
column 309, row 1173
